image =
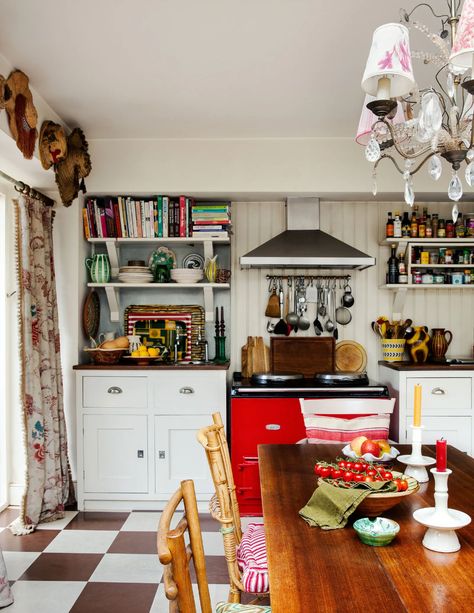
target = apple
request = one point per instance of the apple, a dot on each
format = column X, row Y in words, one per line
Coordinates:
column 384, row 446
column 372, row 447
column 356, row 443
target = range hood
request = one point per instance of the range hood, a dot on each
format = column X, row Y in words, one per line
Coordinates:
column 304, row 245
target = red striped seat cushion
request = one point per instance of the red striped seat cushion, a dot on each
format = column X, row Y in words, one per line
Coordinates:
column 325, row 429
column 252, row 559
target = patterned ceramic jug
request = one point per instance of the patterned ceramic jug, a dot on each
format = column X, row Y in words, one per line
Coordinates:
column 99, row 268
column 439, row 343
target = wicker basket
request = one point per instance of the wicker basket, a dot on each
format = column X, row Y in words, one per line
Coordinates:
column 104, row 356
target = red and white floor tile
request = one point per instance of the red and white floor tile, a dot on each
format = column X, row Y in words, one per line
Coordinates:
column 98, row 562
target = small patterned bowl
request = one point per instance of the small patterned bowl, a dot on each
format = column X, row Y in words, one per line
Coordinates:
column 376, row 532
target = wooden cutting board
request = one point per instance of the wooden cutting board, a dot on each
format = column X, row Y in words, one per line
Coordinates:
column 350, row 356
column 255, row 356
column 304, row 355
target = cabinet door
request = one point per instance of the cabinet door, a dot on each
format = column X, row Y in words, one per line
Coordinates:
column 456, row 430
column 178, row 455
column 115, row 454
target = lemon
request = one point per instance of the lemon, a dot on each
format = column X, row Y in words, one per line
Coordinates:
column 135, row 354
column 153, row 352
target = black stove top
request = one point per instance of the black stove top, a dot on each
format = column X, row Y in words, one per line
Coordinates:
column 307, row 388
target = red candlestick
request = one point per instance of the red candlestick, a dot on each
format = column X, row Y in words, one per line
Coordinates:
column 441, row 455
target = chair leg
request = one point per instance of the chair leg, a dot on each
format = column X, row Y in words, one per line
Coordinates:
column 234, row 595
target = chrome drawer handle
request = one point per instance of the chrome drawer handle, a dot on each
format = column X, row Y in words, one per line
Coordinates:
column 272, row 427
column 114, row 390
column 438, row 391
column 186, row 390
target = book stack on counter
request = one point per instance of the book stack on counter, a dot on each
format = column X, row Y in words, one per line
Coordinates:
column 210, row 219
column 154, row 217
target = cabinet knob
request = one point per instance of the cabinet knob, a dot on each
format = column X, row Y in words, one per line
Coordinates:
column 114, row 390
column 140, row 453
column 438, row 391
column 186, row 390
column 161, row 454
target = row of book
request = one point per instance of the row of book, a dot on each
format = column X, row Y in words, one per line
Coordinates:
column 155, row 217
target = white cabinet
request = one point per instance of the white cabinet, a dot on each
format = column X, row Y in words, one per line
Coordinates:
column 446, row 406
column 137, row 434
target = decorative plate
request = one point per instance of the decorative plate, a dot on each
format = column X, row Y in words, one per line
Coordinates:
column 193, row 260
column 387, row 457
column 91, row 315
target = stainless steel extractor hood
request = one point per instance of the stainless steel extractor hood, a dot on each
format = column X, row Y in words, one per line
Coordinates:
column 304, row 245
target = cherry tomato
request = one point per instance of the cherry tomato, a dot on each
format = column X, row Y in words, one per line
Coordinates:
column 349, row 465
column 378, row 479
column 316, row 469
column 336, row 473
column 387, row 475
column 403, row 485
column 371, row 472
column 342, row 464
column 368, row 479
column 364, row 466
column 398, row 484
column 325, row 471
column 348, row 476
column 359, row 477
column 357, row 467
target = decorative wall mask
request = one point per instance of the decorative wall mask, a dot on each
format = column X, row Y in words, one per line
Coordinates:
column 2, row 92
column 22, row 115
column 71, row 171
column 52, row 144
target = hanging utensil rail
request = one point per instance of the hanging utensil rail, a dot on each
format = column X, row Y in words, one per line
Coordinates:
column 309, row 278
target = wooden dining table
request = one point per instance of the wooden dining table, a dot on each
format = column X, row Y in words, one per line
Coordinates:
column 314, row 571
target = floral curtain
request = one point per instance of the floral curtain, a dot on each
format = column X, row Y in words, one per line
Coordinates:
column 48, row 480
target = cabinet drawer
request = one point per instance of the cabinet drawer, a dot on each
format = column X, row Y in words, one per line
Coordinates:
column 441, row 394
column 114, row 392
column 189, row 392
column 456, row 430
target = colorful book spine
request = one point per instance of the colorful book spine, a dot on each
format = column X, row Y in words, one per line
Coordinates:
column 182, row 217
column 85, row 221
column 160, row 216
column 165, row 217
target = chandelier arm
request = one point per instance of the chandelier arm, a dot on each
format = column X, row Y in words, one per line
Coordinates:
column 403, row 154
column 431, row 9
column 395, row 163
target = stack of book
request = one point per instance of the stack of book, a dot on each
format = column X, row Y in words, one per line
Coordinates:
column 154, row 217
column 210, row 219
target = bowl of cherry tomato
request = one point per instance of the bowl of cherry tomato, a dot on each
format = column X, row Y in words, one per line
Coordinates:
column 348, row 474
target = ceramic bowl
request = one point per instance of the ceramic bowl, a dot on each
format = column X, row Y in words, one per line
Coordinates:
column 386, row 457
column 377, row 532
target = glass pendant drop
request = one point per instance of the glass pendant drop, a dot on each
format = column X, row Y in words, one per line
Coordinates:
column 469, row 174
column 455, row 212
column 455, row 188
column 434, row 167
column 470, row 155
column 409, row 193
column 374, row 184
column 450, row 84
column 372, row 151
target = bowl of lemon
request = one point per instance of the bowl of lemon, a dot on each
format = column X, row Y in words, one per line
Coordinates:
column 144, row 355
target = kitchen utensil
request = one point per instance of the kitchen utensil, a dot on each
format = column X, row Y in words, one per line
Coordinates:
column 280, row 327
column 270, row 326
column 292, row 317
column 347, row 298
column 343, row 316
column 324, row 297
column 350, row 357
column 273, row 308
column 318, row 328
column 335, row 331
column 303, row 322
column 329, row 323
column 305, row 355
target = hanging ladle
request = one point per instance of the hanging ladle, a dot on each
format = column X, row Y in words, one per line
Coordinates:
column 329, row 322
column 318, row 327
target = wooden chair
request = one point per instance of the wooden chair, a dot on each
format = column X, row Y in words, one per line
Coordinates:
column 176, row 557
column 224, row 506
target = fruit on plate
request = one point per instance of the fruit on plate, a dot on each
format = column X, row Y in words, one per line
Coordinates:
column 356, row 444
column 372, row 447
column 145, row 352
column 384, row 446
column 121, row 342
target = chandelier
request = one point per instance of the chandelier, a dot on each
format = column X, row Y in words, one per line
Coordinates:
column 414, row 126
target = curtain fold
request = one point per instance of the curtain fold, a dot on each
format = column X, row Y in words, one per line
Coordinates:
column 48, row 484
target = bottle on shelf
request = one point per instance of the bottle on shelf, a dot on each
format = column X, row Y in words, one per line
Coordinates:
column 397, row 225
column 434, row 225
column 406, row 230
column 449, row 229
column 441, row 229
column 392, row 276
column 414, row 226
column 429, row 227
column 389, row 228
column 422, row 228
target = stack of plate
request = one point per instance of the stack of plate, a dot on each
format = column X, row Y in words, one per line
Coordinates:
column 186, row 275
column 135, row 274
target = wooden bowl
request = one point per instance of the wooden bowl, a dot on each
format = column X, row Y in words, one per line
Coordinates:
column 377, row 503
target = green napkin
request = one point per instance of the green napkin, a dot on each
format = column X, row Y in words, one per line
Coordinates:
column 329, row 507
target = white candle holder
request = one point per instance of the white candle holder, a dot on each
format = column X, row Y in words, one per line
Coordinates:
column 441, row 521
column 416, row 462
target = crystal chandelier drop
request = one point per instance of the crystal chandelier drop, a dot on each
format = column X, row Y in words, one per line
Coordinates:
column 412, row 126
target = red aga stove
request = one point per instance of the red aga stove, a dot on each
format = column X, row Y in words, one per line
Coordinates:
column 266, row 409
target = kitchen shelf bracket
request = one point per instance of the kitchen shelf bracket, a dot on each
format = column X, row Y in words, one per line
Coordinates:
column 209, row 303
column 113, row 300
column 113, row 253
column 399, row 303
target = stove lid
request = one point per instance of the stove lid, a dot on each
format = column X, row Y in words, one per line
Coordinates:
column 266, row 378
column 342, row 378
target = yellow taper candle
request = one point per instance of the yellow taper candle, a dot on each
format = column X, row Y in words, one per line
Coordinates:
column 417, row 406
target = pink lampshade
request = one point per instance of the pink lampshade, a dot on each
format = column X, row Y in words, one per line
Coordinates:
column 462, row 52
column 389, row 57
column 367, row 119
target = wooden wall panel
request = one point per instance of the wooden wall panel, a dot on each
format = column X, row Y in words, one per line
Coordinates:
column 361, row 224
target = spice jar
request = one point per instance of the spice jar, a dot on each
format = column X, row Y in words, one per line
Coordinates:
column 467, row 276
column 442, row 255
column 449, row 229
column 448, row 258
column 457, row 278
column 425, row 257
column 427, row 278
column 417, row 277
column 438, row 278
column 441, row 229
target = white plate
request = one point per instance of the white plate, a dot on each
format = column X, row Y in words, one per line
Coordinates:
column 350, row 453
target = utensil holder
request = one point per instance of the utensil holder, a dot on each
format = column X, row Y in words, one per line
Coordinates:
column 441, row 521
column 393, row 349
column 220, row 349
column 415, row 461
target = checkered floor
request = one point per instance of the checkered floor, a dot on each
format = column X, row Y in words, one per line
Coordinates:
column 98, row 562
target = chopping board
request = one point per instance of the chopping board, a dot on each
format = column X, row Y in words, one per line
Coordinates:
column 304, row 355
column 255, row 356
column 350, row 356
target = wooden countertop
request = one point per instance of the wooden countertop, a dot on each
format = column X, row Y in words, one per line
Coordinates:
column 166, row 366
column 425, row 366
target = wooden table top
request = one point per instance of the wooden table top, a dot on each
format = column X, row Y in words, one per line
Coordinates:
column 314, row 570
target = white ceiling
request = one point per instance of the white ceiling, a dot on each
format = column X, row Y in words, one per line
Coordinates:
column 197, row 68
